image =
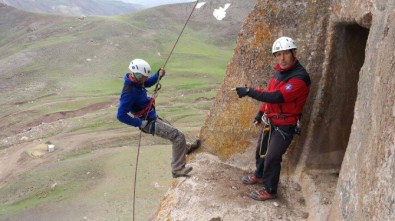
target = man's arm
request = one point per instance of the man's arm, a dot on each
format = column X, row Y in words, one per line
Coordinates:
column 152, row 80
column 275, row 97
column 124, row 108
column 289, row 91
column 259, row 94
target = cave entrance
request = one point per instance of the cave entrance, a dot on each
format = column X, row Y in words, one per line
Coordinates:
column 340, row 93
column 340, row 89
column 332, row 126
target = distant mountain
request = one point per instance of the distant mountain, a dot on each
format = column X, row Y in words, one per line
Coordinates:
column 152, row 3
column 70, row 7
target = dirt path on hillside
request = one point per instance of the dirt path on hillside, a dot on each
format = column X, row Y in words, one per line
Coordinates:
column 15, row 128
column 101, row 201
column 23, row 157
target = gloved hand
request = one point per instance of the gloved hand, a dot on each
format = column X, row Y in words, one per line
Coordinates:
column 162, row 73
column 148, row 126
column 258, row 118
column 242, row 91
column 143, row 123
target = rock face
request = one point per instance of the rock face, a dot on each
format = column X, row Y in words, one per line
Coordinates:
column 344, row 160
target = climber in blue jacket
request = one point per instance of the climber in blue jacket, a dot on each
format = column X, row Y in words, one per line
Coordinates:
column 137, row 109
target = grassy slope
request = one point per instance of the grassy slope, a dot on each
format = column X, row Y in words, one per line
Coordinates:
column 99, row 184
column 88, row 58
column 54, row 63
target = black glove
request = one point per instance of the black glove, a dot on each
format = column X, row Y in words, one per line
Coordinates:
column 258, row 118
column 242, row 91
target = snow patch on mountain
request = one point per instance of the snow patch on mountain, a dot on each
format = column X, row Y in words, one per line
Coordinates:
column 220, row 13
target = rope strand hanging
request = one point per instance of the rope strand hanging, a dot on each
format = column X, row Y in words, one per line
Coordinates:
column 158, row 85
column 155, row 94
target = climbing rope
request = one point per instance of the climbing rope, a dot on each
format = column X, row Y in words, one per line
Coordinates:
column 155, row 94
column 158, row 85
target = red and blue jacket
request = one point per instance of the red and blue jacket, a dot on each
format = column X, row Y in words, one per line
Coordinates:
column 285, row 96
column 135, row 100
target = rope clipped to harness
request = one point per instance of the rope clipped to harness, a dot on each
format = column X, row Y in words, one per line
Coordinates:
column 158, row 86
column 266, row 129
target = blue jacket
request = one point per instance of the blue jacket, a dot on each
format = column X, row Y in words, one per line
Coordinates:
column 133, row 99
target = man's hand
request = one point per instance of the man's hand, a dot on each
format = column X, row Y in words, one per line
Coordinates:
column 143, row 124
column 242, row 91
column 258, row 118
column 162, row 73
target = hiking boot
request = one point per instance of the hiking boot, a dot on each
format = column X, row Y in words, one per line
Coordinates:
column 250, row 180
column 182, row 172
column 193, row 146
column 262, row 195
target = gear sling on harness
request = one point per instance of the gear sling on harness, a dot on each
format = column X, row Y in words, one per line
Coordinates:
column 146, row 109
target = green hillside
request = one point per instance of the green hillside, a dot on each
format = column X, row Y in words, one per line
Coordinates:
column 55, row 63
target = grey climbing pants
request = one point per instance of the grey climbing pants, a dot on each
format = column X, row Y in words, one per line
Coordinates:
column 167, row 131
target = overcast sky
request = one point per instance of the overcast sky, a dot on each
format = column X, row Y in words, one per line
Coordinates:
column 152, row 3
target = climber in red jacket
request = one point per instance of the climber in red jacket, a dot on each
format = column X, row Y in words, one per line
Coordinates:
column 280, row 112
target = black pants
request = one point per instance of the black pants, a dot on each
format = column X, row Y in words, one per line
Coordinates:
column 269, row 167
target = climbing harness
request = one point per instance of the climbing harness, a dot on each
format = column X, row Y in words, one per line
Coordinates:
column 158, row 86
column 146, row 109
column 268, row 129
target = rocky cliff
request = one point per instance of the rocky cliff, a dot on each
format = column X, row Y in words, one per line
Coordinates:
column 341, row 167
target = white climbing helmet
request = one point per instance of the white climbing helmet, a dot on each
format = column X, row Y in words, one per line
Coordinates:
column 282, row 44
column 140, row 66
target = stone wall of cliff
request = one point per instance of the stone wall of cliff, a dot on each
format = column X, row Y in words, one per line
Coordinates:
column 348, row 123
column 365, row 188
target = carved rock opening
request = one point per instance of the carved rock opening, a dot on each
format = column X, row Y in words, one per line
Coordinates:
column 340, row 88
